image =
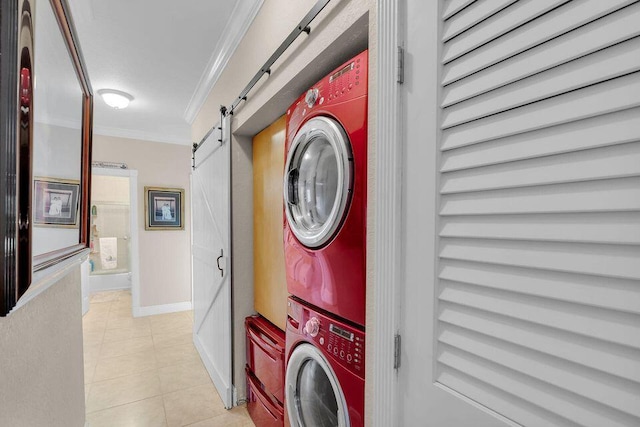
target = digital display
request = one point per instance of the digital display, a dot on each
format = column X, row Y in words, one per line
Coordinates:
column 341, row 332
column 341, row 72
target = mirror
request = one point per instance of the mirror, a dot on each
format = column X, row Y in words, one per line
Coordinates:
column 46, row 113
column 57, row 137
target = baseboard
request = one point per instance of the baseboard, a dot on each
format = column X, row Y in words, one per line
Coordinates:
column 109, row 282
column 151, row 310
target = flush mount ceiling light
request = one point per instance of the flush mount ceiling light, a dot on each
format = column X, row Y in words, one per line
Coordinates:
column 115, row 98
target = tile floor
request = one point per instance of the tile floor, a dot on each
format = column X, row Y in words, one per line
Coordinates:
column 145, row 372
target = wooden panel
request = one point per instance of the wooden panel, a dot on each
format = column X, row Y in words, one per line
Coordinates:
column 270, row 286
column 472, row 15
column 562, row 20
column 613, row 95
column 497, row 25
column 604, row 32
column 607, row 64
column 606, row 130
column 587, row 165
column 603, row 228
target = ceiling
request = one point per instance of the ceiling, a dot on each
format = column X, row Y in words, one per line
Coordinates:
column 167, row 54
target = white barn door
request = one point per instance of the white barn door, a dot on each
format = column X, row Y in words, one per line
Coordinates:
column 210, row 263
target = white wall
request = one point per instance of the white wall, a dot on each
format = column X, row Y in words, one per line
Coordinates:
column 41, row 360
column 340, row 31
column 165, row 255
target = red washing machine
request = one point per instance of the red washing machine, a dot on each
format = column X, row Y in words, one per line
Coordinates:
column 324, row 379
column 325, row 193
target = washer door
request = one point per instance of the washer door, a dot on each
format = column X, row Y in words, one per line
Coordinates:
column 313, row 394
column 318, row 181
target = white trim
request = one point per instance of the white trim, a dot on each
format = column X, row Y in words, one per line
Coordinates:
column 152, row 310
column 388, row 242
column 109, row 282
column 145, row 136
column 242, row 16
column 132, row 174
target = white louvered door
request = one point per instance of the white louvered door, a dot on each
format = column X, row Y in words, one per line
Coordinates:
column 534, row 309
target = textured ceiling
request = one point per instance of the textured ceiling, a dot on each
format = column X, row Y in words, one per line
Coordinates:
column 161, row 52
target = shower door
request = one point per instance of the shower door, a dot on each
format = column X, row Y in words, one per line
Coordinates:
column 110, row 233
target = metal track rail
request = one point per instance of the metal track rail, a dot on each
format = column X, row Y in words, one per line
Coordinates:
column 302, row 27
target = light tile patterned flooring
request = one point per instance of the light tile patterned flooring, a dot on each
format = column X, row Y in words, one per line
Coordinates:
column 145, row 372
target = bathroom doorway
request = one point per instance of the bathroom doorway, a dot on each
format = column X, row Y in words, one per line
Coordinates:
column 113, row 258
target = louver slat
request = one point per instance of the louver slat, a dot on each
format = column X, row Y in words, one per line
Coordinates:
column 588, row 165
column 538, row 393
column 602, row 260
column 596, row 35
column 454, row 6
column 609, row 129
column 591, row 69
column 496, row 26
column 616, row 360
column 564, row 19
column 477, row 12
column 613, row 95
column 572, row 378
column 603, row 228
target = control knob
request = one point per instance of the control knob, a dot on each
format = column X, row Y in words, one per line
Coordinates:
column 312, row 327
column 311, row 97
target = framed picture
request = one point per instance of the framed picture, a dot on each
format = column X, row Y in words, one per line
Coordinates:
column 164, row 209
column 55, row 202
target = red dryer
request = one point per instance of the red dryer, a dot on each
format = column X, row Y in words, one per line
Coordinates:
column 325, row 193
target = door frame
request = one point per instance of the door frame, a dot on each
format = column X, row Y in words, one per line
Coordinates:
column 383, row 303
column 132, row 174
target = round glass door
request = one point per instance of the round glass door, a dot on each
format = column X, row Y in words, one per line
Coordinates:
column 314, row 397
column 318, row 181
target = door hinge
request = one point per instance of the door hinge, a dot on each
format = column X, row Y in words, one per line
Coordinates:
column 400, row 65
column 396, row 351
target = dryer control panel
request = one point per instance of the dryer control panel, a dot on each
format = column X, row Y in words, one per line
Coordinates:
column 339, row 341
column 347, row 82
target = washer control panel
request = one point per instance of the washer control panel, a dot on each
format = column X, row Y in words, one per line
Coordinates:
column 340, row 341
column 346, row 345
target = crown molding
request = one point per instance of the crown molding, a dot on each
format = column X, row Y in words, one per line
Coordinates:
column 243, row 15
column 142, row 135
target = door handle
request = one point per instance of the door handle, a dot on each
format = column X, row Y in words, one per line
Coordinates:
column 292, row 184
column 218, row 262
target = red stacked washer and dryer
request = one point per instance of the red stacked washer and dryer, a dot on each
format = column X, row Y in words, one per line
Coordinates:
column 325, row 188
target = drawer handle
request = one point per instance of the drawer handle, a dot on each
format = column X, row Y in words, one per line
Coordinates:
column 264, row 399
column 264, row 345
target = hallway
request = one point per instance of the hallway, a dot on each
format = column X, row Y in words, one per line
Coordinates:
column 145, row 371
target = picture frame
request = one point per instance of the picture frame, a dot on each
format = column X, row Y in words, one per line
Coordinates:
column 163, row 208
column 55, row 202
